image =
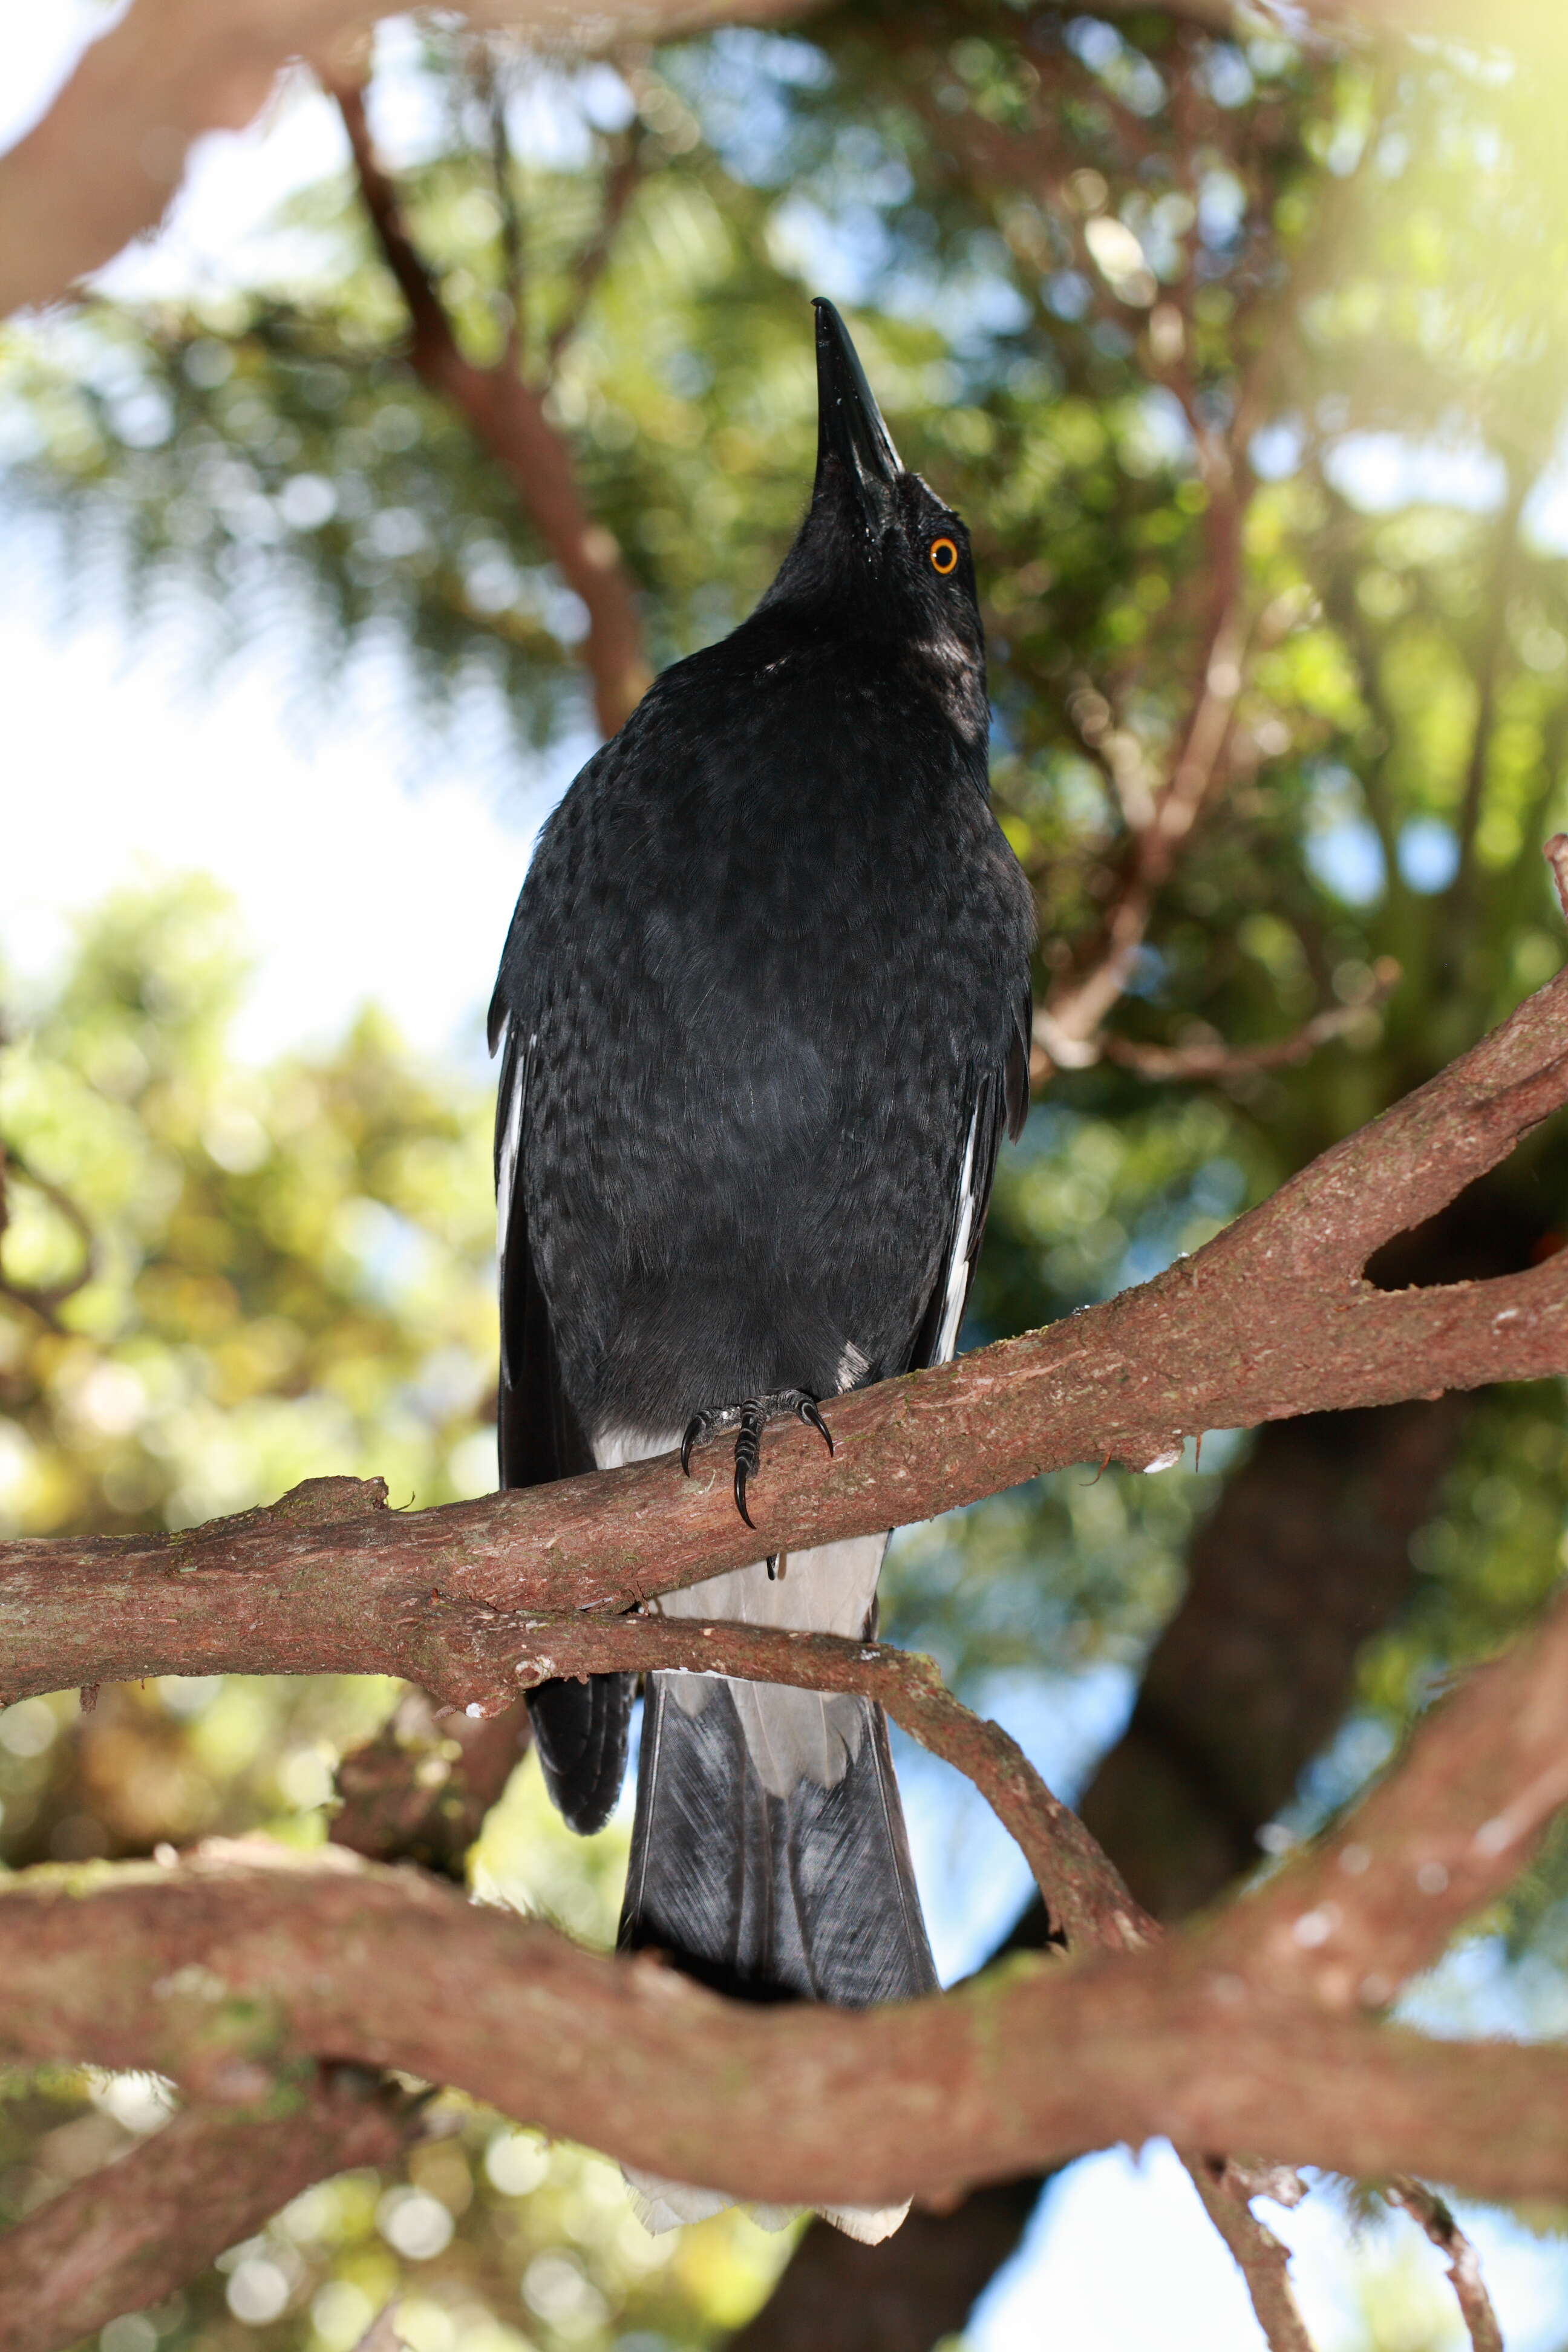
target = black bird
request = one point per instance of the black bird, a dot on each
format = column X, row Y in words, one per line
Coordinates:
column 763, row 1012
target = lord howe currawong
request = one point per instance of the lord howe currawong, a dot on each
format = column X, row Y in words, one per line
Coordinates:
column 764, row 1013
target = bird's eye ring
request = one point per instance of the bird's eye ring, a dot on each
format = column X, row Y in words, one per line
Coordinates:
column 944, row 556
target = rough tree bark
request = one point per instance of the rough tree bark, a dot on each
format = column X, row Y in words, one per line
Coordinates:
column 1296, row 1259
column 143, row 2226
column 1254, row 2032
column 1272, row 1318
column 1304, row 1558
column 1239, row 1695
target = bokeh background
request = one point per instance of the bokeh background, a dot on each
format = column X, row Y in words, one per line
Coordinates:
column 288, row 684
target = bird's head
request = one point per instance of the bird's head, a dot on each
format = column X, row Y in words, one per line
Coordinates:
column 879, row 555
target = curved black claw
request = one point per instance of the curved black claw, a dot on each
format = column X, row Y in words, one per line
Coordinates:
column 753, row 1418
column 806, row 1411
column 749, row 1451
column 699, row 1430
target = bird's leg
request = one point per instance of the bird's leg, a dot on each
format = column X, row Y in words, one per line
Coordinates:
column 749, row 1420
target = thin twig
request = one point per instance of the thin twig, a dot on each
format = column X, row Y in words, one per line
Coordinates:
column 1212, row 1058
column 509, row 418
column 44, row 1300
column 1227, row 2189
column 621, row 184
column 1426, row 2207
column 1068, row 1025
column 503, row 177
column 1086, row 1902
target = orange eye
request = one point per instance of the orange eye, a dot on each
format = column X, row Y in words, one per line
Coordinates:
column 944, row 556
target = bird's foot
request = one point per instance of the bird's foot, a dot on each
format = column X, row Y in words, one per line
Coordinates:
column 749, row 1420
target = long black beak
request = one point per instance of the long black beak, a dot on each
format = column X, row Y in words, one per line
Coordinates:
column 849, row 427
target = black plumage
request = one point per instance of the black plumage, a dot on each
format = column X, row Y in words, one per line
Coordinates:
column 764, row 1008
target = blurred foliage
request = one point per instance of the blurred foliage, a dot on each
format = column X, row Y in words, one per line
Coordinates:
column 1170, row 317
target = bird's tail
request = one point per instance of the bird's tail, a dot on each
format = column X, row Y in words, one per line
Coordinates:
column 770, row 1859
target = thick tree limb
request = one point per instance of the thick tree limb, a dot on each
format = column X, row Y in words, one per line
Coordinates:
column 1251, row 2033
column 1272, row 1318
column 220, row 1968
column 106, row 160
column 146, row 2225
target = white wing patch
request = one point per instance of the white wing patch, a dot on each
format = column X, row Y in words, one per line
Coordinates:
column 957, row 1261
column 506, row 1175
column 511, row 1143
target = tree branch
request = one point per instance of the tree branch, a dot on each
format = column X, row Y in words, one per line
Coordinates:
column 1274, row 1318
column 107, row 159
column 420, row 1790
column 1464, row 2269
column 226, row 1965
column 508, row 417
column 1211, row 1058
column 44, row 1300
column 1244, row 2033
column 1227, row 2189
column 144, row 2225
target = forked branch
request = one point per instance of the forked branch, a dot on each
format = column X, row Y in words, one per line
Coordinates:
column 1273, row 1318
column 508, row 417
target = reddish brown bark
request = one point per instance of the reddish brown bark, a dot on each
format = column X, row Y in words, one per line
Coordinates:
column 420, row 1790
column 107, row 157
column 1274, row 1318
column 1252, row 2032
column 508, row 415
column 142, row 2226
column 258, row 1966
column 1305, row 1555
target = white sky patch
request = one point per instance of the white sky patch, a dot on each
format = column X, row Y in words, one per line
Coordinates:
column 1381, row 472
column 355, row 885
column 42, row 45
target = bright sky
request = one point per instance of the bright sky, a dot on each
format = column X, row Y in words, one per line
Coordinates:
column 359, row 879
